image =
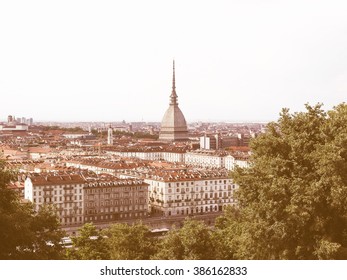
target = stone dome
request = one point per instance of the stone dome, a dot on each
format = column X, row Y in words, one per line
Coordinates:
column 173, row 125
column 174, row 118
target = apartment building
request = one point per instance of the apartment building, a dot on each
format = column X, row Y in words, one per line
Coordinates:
column 205, row 158
column 185, row 192
column 110, row 199
column 64, row 192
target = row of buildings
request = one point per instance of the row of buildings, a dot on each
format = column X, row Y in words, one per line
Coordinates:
column 198, row 158
column 85, row 196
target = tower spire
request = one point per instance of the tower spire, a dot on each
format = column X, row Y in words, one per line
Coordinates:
column 173, row 77
column 173, row 95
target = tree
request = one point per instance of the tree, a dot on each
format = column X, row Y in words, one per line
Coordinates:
column 90, row 244
column 226, row 233
column 193, row 241
column 130, row 242
column 170, row 247
column 293, row 198
column 25, row 234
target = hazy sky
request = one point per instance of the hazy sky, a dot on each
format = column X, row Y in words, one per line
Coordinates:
column 112, row 60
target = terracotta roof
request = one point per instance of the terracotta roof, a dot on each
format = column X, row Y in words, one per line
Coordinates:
column 48, row 179
column 179, row 174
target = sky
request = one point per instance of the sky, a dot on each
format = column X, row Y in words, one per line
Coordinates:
column 236, row 61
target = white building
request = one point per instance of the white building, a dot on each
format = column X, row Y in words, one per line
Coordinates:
column 75, row 135
column 14, row 127
column 187, row 193
column 229, row 162
column 242, row 162
column 205, row 158
column 63, row 192
column 110, row 136
column 171, row 155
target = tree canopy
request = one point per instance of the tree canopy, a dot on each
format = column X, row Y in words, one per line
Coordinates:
column 130, row 242
column 25, row 234
column 293, row 198
column 193, row 241
column 90, row 244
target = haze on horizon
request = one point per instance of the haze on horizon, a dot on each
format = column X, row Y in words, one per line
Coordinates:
column 112, row 61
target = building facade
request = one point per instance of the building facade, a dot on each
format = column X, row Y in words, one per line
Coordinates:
column 186, row 192
column 114, row 199
column 205, row 158
column 194, row 196
column 63, row 192
column 78, row 199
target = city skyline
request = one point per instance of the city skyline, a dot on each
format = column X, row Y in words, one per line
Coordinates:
column 235, row 62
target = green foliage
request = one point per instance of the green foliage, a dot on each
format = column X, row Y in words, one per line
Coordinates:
column 146, row 135
column 25, row 234
column 170, row 247
column 226, row 234
column 193, row 241
column 293, row 198
column 130, row 242
column 119, row 133
column 76, row 129
column 88, row 245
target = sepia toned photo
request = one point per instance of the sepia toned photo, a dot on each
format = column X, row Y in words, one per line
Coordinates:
column 173, row 130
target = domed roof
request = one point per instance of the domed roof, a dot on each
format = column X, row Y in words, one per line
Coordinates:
column 174, row 118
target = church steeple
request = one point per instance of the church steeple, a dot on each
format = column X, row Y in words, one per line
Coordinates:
column 173, row 95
